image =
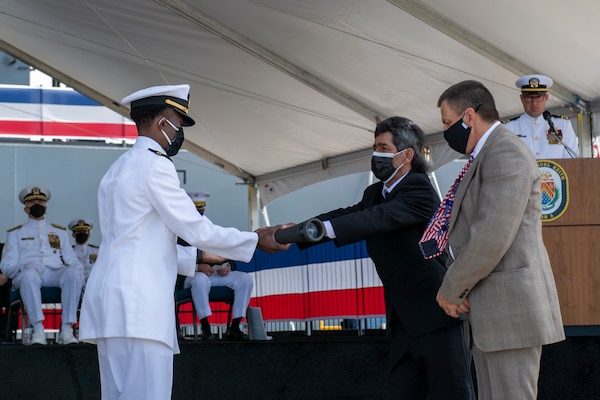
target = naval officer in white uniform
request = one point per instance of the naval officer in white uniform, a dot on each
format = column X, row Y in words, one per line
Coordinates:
column 128, row 306
column 87, row 253
column 531, row 126
column 38, row 254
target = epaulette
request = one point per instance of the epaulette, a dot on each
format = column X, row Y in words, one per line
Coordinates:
column 59, row 226
column 94, row 246
column 511, row 119
column 12, row 229
column 560, row 116
column 160, row 154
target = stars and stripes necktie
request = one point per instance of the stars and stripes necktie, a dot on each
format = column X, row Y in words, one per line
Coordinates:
column 434, row 239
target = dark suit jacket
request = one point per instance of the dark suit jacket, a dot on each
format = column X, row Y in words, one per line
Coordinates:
column 392, row 228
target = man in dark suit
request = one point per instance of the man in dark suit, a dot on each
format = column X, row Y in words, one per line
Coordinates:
column 428, row 354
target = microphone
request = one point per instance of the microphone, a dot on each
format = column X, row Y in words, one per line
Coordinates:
column 548, row 117
column 311, row 230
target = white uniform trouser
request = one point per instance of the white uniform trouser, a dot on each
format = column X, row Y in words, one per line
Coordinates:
column 135, row 369
column 70, row 281
column 240, row 282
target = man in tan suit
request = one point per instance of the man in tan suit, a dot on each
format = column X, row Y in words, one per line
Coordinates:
column 498, row 267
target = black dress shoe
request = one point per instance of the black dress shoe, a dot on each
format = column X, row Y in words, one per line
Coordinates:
column 207, row 335
column 236, row 334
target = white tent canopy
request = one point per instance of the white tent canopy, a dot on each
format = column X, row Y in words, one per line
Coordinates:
column 287, row 92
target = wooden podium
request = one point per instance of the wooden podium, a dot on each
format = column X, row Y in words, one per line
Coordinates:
column 573, row 242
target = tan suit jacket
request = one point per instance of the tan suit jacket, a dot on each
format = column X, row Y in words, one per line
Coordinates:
column 501, row 262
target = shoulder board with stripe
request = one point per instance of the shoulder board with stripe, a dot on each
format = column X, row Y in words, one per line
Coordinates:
column 59, row 226
column 93, row 245
column 13, row 228
column 510, row 119
column 158, row 153
column 560, row 116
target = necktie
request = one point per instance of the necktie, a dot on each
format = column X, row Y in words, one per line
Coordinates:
column 434, row 239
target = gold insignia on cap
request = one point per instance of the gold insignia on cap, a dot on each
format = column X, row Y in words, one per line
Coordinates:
column 534, row 82
column 81, row 226
column 35, row 194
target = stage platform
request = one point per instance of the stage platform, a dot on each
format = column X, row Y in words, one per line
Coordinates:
column 325, row 367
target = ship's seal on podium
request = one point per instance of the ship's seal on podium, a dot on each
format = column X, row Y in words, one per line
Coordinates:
column 555, row 190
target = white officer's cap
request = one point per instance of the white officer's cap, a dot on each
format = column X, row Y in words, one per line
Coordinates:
column 81, row 225
column 34, row 192
column 199, row 198
column 174, row 96
column 534, row 84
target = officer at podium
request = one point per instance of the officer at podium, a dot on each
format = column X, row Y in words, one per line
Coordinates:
column 534, row 126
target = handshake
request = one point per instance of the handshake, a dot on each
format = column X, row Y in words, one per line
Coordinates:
column 274, row 238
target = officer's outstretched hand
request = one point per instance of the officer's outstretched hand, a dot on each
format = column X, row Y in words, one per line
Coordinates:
column 266, row 239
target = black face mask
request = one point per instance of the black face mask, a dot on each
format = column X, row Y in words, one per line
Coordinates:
column 175, row 144
column 81, row 238
column 37, row 210
column 457, row 136
column 382, row 165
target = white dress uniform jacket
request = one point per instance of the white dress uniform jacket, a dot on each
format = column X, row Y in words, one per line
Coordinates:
column 142, row 210
column 87, row 255
column 37, row 241
column 533, row 132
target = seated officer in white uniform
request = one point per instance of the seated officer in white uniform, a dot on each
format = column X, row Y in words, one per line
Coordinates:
column 531, row 126
column 38, row 254
column 212, row 270
column 86, row 252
